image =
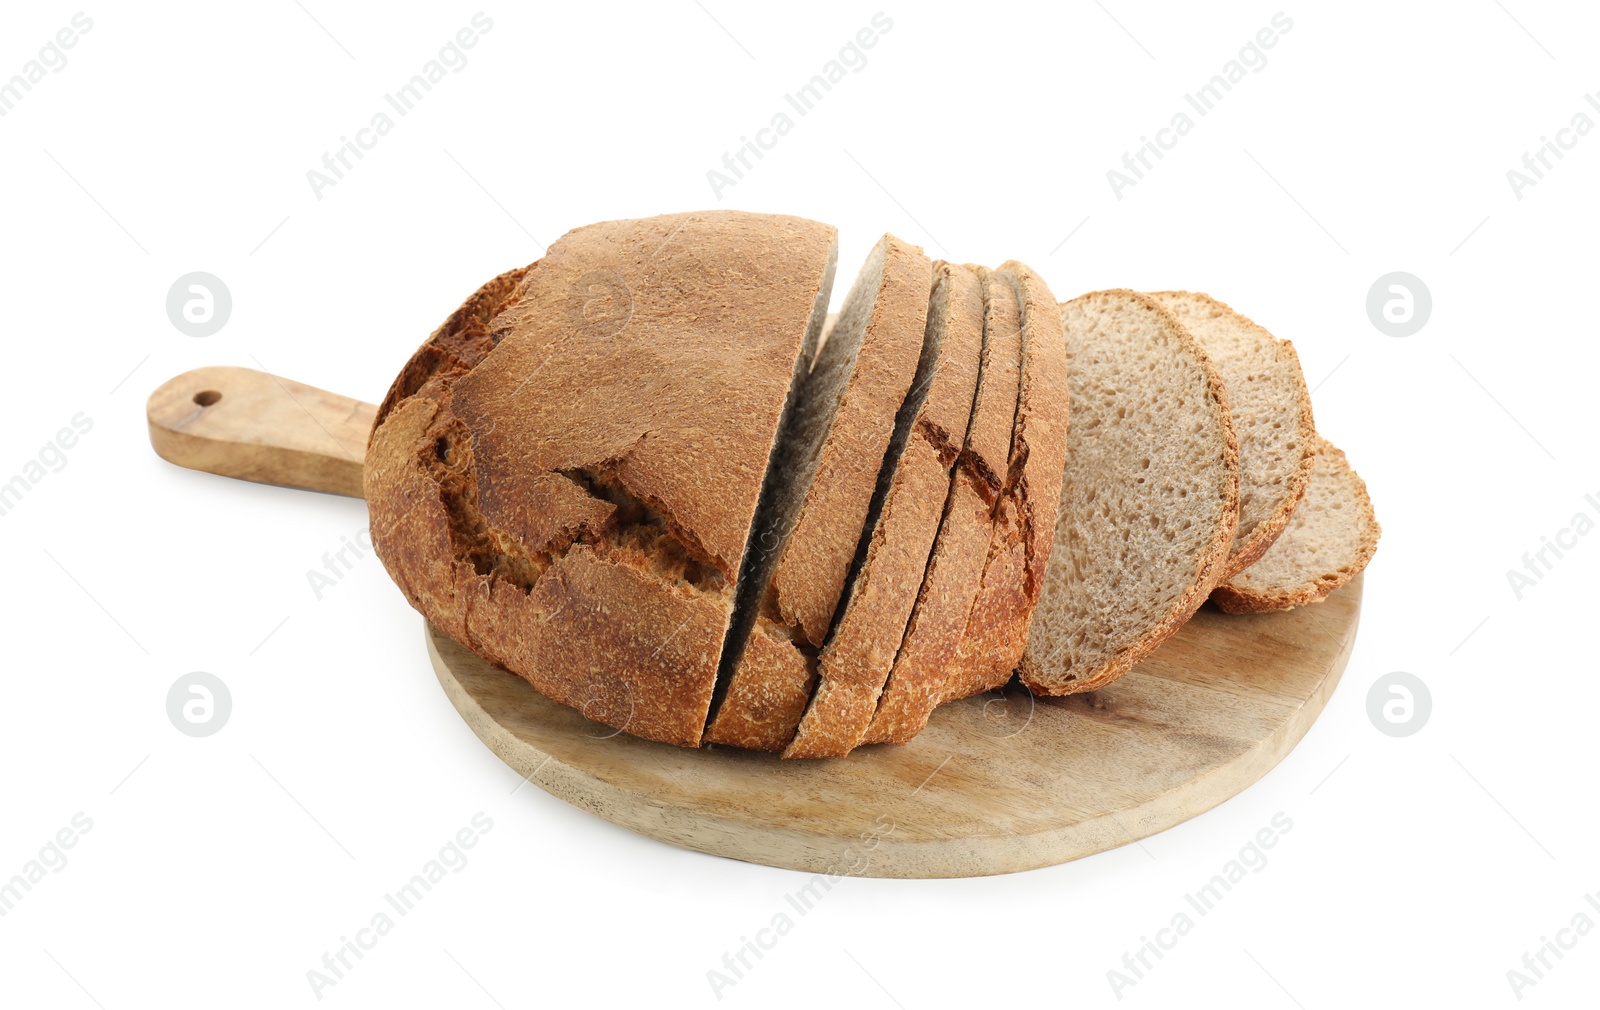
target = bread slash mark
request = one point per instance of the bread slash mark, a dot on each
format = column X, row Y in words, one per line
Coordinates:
column 633, row 533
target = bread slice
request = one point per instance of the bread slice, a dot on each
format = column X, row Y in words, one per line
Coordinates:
column 1025, row 516
column 955, row 565
column 902, row 522
column 1330, row 539
column 1152, row 501
column 826, row 473
column 565, row 476
column 1271, row 414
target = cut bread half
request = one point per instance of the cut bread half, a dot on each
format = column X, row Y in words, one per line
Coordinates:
column 1330, row 539
column 822, row 483
column 955, row 565
column 564, row 477
column 1025, row 516
column 1271, row 410
column 901, row 526
column 1152, row 501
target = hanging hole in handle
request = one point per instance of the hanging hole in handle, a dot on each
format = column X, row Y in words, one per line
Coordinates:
column 206, row 397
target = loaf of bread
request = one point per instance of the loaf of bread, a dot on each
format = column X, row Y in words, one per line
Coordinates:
column 643, row 474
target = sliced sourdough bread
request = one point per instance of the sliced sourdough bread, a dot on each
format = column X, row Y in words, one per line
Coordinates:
column 1330, row 539
column 1025, row 518
column 1271, row 410
column 1152, row 501
column 826, row 473
column 955, row 565
column 901, row 525
column 565, row 476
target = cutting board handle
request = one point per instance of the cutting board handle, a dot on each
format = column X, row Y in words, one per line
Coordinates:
column 239, row 422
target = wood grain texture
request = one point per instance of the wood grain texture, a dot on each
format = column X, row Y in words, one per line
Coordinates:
column 238, row 422
column 997, row 783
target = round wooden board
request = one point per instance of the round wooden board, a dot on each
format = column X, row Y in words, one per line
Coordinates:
column 995, row 784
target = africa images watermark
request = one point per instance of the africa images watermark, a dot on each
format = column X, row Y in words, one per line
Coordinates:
column 52, row 858
column 337, row 564
column 1252, row 858
column 851, row 59
column 1536, row 163
column 452, row 58
column 51, row 458
column 1538, row 963
column 1537, row 564
column 1252, row 58
column 52, row 58
column 803, row 899
column 451, row 858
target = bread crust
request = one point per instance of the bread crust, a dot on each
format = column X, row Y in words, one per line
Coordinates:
column 459, row 343
column 855, row 661
column 1242, row 595
column 809, row 578
column 997, row 631
column 955, row 565
column 564, row 476
column 1212, row 560
column 999, row 585
column 1249, row 549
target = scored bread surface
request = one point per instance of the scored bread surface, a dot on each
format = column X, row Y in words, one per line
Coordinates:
column 1151, row 503
column 845, row 421
column 900, row 529
column 1271, row 410
column 564, row 477
column 1330, row 539
column 955, row 565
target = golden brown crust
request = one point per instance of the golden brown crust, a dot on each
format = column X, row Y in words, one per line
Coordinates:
column 650, row 674
column 1209, row 565
column 564, row 477
column 1248, row 551
column 810, row 576
column 1242, row 595
column 816, row 558
column 855, row 662
column 1043, row 414
column 459, row 343
column 955, row 565
column 768, row 692
column 987, row 641
column 997, row 632
column 612, row 645
column 999, row 587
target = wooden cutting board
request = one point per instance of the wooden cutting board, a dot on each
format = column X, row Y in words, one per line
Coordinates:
column 996, row 783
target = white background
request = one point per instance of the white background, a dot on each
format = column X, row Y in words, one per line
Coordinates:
column 1376, row 138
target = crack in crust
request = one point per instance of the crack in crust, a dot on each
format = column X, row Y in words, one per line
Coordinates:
column 631, row 530
column 460, row 343
column 628, row 531
column 954, row 453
